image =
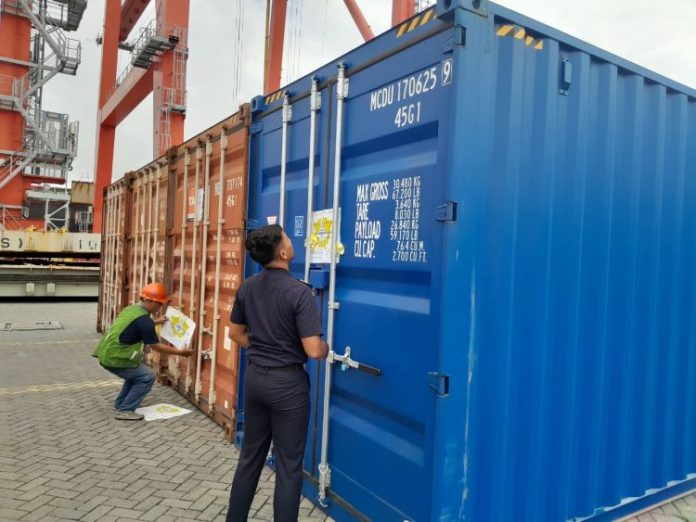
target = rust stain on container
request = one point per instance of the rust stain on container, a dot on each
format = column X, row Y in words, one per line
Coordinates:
column 184, row 220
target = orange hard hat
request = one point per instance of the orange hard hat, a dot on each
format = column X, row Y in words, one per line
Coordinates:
column 154, row 292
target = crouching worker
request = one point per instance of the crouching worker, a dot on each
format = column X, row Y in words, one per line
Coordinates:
column 120, row 351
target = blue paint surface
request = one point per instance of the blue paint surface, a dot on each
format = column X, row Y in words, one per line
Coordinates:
column 558, row 311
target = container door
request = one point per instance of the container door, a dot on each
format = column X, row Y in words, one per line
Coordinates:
column 113, row 283
column 393, row 208
column 266, row 188
column 207, row 260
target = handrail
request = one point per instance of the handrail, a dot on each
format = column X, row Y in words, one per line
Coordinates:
column 3, row 212
column 146, row 33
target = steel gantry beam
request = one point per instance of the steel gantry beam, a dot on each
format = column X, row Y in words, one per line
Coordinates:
column 276, row 12
column 359, row 19
column 402, row 10
column 131, row 11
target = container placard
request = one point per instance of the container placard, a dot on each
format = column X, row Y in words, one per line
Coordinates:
column 194, row 207
column 179, row 328
column 320, row 236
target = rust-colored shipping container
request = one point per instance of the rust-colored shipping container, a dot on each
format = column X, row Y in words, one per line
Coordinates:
column 180, row 220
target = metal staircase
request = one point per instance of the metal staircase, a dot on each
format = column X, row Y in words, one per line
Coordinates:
column 66, row 14
column 50, row 140
column 153, row 41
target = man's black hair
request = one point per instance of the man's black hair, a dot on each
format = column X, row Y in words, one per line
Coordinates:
column 262, row 243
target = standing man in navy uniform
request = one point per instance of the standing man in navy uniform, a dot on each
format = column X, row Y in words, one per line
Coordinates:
column 275, row 316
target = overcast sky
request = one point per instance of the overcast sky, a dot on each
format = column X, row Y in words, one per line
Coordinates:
column 656, row 35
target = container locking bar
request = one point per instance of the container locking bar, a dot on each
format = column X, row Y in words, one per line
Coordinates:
column 347, row 362
column 324, row 468
column 287, row 118
column 315, row 105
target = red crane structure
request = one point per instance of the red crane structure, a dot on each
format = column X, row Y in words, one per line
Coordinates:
column 158, row 65
column 36, row 146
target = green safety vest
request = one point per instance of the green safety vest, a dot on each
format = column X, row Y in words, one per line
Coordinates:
column 114, row 354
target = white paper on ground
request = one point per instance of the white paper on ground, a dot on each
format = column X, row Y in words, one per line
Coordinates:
column 162, row 411
column 179, row 329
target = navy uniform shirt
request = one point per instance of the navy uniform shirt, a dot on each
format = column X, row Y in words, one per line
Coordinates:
column 279, row 311
column 142, row 329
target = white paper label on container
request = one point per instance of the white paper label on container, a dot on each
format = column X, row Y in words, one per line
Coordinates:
column 216, row 190
column 320, row 236
column 272, row 220
column 178, row 330
column 227, row 343
column 299, row 226
column 200, row 198
column 194, row 204
column 226, row 405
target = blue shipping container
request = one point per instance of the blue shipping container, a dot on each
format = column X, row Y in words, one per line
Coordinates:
column 515, row 277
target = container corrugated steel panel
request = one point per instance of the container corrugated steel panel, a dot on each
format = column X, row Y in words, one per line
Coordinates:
column 148, row 227
column 184, row 215
column 113, row 291
column 147, row 235
column 519, row 252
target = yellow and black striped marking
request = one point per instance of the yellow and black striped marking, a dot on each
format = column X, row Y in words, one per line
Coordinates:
column 416, row 21
column 274, row 97
column 520, row 33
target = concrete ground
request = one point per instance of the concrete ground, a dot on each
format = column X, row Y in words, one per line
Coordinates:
column 63, row 456
column 679, row 510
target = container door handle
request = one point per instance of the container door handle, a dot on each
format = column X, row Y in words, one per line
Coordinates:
column 347, row 362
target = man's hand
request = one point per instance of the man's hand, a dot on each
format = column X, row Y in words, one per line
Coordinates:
column 239, row 333
column 170, row 350
column 161, row 321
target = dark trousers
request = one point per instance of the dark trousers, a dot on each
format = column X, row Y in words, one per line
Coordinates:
column 276, row 407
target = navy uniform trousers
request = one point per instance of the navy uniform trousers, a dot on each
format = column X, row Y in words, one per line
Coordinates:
column 276, row 407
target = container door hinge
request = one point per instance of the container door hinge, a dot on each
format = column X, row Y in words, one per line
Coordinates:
column 459, row 36
column 256, row 128
column 566, row 76
column 439, row 383
column 447, row 212
column 456, row 39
